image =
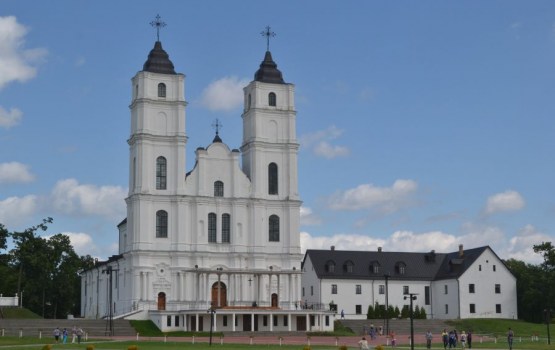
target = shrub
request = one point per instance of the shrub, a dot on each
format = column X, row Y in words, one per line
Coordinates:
column 306, row 347
column 47, row 347
column 90, row 347
column 132, row 347
column 379, row 347
column 343, row 347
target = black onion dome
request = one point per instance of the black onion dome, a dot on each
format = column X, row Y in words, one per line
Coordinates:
column 158, row 61
column 217, row 138
column 268, row 72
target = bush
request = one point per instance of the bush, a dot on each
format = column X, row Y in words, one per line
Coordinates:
column 379, row 347
column 47, row 347
column 90, row 347
column 343, row 347
column 132, row 347
column 306, row 347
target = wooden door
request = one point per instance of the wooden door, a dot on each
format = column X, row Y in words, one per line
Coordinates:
column 162, row 301
column 274, row 300
column 301, row 323
column 220, row 301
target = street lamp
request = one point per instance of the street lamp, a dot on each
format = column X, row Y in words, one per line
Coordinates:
column 211, row 311
column 411, row 296
column 547, row 313
column 386, row 315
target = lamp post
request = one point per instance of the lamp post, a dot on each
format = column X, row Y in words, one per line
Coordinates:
column 211, row 311
column 411, row 296
column 547, row 313
column 386, row 315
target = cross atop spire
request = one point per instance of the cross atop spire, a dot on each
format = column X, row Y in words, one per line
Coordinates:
column 158, row 23
column 217, row 126
column 268, row 33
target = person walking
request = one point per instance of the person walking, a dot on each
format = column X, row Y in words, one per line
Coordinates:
column 64, row 336
column 79, row 335
column 510, row 336
column 469, row 339
column 57, row 334
column 445, row 338
column 429, row 337
column 73, row 334
column 342, row 314
column 463, row 340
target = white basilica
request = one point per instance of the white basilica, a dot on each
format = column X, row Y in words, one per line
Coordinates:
column 220, row 240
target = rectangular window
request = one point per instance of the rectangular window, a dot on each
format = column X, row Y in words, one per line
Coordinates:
column 236, row 321
column 427, row 295
column 446, row 309
column 275, row 320
column 445, row 291
column 169, row 321
column 493, row 268
column 479, row 267
column 212, row 228
column 303, row 291
column 311, row 290
column 265, row 321
column 226, row 228
column 358, row 289
column 381, row 289
column 176, row 321
column 498, row 308
column 312, row 320
column 285, row 321
column 471, row 288
column 358, row 309
column 405, row 289
column 334, row 289
column 327, row 320
column 224, row 320
column 497, row 289
column 472, row 308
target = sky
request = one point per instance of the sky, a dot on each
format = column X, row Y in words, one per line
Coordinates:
column 422, row 125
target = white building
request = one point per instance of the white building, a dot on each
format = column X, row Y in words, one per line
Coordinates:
column 471, row 283
column 223, row 236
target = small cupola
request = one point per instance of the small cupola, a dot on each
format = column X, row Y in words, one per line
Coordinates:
column 158, row 61
column 268, row 72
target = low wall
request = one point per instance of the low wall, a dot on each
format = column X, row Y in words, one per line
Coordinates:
column 9, row 301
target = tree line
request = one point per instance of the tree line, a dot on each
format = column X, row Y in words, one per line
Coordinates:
column 43, row 272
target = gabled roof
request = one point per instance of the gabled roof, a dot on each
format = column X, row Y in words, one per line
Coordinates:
column 417, row 266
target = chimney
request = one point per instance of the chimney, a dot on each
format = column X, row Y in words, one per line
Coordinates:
column 379, row 249
column 332, row 247
column 461, row 251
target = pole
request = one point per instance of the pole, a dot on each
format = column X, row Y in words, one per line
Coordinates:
column 212, row 312
column 386, row 276
column 411, row 296
column 547, row 322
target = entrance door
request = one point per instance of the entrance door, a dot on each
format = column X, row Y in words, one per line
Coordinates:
column 219, row 294
column 246, row 323
column 162, row 301
column 192, row 324
column 274, row 300
column 301, row 323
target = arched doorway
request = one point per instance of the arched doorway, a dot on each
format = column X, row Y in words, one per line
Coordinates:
column 219, row 294
column 162, row 301
column 274, row 300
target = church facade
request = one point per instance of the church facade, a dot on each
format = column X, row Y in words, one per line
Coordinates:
column 221, row 240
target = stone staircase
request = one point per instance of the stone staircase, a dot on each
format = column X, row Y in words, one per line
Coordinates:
column 33, row 327
column 399, row 326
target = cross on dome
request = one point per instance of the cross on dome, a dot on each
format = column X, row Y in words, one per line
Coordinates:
column 268, row 33
column 158, row 23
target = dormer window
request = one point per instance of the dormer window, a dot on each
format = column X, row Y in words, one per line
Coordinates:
column 375, row 267
column 348, row 266
column 272, row 99
column 161, row 90
column 330, row 266
column 400, row 267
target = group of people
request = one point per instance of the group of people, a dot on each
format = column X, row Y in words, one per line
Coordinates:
column 77, row 334
column 453, row 339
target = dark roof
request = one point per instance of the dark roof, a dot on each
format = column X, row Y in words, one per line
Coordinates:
column 418, row 266
column 268, row 72
column 217, row 138
column 158, row 61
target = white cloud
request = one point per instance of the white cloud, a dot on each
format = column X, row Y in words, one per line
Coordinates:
column 16, row 210
column 69, row 197
column 319, row 143
column 503, row 202
column 15, row 172
column 16, row 62
column 82, row 243
column 224, row 94
column 309, row 218
column 9, row 118
column 368, row 196
column 521, row 246
column 340, row 242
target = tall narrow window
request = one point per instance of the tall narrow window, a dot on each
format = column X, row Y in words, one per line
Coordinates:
column 272, row 99
column 272, row 178
column 218, row 189
column 427, row 295
column 249, row 102
column 226, row 228
column 274, row 228
column 212, row 228
column 161, row 224
column 161, row 173
column 161, row 90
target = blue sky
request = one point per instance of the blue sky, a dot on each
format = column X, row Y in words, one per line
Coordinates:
column 423, row 125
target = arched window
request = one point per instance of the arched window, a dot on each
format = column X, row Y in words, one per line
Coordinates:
column 161, row 90
column 161, row 173
column 274, row 228
column 272, row 178
column 226, row 228
column 218, row 189
column 212, row 228
column 330, row 266
column 272, row 99
column 161, row 224
column 348, row 266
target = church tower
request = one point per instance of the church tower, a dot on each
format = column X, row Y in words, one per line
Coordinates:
column 157, row 150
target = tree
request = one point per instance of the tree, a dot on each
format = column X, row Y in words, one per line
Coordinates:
column 405, row 311
column 370, row 314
